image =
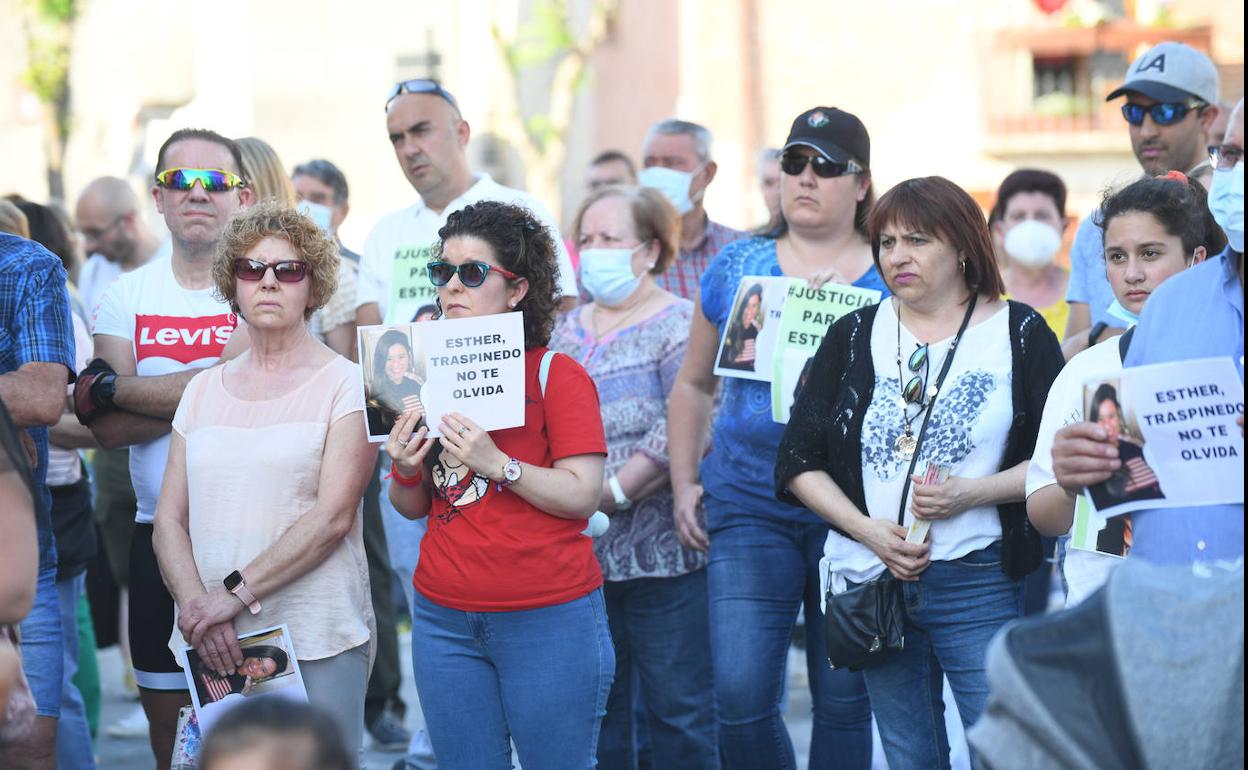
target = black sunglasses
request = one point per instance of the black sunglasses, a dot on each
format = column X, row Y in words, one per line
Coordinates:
column 1224, row 156
column 420, row 86
column 794, row 164
column 286, row 271
column 1163, row 113
column 471, row 274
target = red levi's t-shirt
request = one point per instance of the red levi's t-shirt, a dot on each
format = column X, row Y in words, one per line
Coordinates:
column 488, row 549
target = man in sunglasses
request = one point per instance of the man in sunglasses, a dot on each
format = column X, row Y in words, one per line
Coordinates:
column 1171, row 102
column 155, row 328
column 430, row 140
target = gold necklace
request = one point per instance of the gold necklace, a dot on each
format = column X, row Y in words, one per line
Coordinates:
column 598, row 334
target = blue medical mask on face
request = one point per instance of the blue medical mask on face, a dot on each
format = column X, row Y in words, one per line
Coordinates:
column 607, row 274
column 672, row 183
column 323, row 216
column 1117, row 310
column 1226, row 203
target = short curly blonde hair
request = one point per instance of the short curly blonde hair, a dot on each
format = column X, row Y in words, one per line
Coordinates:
column 277, row 220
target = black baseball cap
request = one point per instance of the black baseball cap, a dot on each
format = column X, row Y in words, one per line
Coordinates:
column 834, row 134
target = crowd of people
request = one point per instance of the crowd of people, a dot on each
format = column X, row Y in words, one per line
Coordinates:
column 213, row 380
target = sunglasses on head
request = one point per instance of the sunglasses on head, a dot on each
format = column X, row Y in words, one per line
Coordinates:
column 1224, row 156
column 471, row 274
column 420, row 86
column 211, row 179
column 286, row 271
column 1163, row 113
column 794, row 164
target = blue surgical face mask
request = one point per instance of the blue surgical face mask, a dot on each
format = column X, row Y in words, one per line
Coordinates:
column 1117, row 310
column 1226, row 203
column 608, row 274
column 323, row 216
column 672, row 183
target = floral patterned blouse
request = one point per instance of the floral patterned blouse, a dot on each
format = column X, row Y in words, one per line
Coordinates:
column 634, row 369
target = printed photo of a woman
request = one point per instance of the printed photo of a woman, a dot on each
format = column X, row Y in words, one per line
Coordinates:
column 394, row 387
column 261, row 663
column 739, row 350
column 1134, row 479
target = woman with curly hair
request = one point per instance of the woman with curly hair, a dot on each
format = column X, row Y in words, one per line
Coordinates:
column 509, row 628
column 258, row 521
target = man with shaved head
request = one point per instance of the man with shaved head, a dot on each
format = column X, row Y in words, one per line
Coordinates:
column 113, row 234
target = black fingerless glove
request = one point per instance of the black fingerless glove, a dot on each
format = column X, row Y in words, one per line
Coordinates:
column 94, row 390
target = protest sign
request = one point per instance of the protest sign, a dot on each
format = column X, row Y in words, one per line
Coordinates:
column 747, row 346
column 805, row 319
column 474, row 366
column 1176, row 433
column 410, row 289
column 269, row 670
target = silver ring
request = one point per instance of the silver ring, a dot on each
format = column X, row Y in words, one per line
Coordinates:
column 463, row 429
column 402, row 442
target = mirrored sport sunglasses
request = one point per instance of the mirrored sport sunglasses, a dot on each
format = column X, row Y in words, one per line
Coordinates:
column 1224, row 156
column 793, row 164
column 913, row 390
column 420, row 86
column 471, row 274
column 1163, row 113
column 286, row 271
column 211, row 179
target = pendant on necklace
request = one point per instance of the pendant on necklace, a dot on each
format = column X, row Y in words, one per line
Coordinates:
column 931, row 392
column 905, row 445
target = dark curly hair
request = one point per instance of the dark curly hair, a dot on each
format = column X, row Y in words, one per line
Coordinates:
column 521, row 244
column 1178, row 203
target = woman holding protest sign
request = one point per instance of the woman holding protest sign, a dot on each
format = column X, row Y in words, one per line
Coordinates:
column 765, row 562
column 631, row 340
column 258, row 521
column 1153, row 229
column 509, row 628
column 948, row 381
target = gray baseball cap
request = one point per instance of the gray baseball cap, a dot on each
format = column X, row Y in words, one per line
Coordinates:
column 1171, row 72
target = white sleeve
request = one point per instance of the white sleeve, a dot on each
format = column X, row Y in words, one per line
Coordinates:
column 112, row 316
column 1063, row 407
column 370, row 285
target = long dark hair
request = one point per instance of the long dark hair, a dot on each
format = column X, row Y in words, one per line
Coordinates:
column 734, row 340
column 270, row 651
column 388, row 340
column 1104, row 392
column 1179, row 204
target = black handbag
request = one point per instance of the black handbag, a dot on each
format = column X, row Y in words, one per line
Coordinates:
column 866, row 623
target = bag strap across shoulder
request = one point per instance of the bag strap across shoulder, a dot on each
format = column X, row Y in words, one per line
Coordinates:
column 543, row 371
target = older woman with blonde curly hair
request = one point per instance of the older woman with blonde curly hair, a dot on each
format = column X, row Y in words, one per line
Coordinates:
column 258, row 521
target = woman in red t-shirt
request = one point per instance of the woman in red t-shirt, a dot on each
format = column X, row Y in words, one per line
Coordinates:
column 509, row 629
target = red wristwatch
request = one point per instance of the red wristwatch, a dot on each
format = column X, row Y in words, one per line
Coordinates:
column 235, row 584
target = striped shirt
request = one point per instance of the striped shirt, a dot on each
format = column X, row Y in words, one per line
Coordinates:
column 685, row 274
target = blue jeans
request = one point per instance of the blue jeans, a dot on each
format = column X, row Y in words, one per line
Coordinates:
column 539, row 677
column 43, row 655
column 661, row 632
column 73, row 736
column 952, row 612
column 761, row 570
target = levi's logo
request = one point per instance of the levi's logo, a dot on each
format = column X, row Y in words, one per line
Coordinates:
column 180, row 338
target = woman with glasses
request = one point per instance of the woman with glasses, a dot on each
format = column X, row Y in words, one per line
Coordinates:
column 509, row 628
column 258, row 521
column 1153, row 229
column 631, row 340
column 764, row 563
column 945, row 380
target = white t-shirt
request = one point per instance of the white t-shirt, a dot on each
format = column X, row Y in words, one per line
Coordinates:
column 392, row 267
column 969, row 426
column 96, row 275
column 1085, row 570
column 170, row 329
column 239, row 508
column 65, row 464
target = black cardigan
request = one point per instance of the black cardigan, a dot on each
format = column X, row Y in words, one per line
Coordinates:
column 825, row 429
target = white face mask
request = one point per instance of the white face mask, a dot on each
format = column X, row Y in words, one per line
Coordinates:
column 1117, row 310
column 321, row 215
column 1032, row 243
column 1226, row 203
column 608, row 274
column 672, row 183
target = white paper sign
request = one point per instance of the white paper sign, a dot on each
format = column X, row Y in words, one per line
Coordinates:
column 269, row 670
column 747, row 347
column 475, row 366
column 1177, row 436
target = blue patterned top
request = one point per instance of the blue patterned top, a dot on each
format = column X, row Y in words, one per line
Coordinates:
column 634, row 369
column 740, row 469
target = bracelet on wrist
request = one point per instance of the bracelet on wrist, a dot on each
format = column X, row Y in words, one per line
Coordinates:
column 401, row 480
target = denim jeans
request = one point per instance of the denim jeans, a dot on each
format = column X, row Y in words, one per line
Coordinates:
column 539, row 677
column 73, row 735
column 761, row 570
column 952, row 612
column 43, row 649
column 661, row 632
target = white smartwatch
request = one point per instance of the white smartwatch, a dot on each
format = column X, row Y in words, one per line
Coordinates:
column 621, row 500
